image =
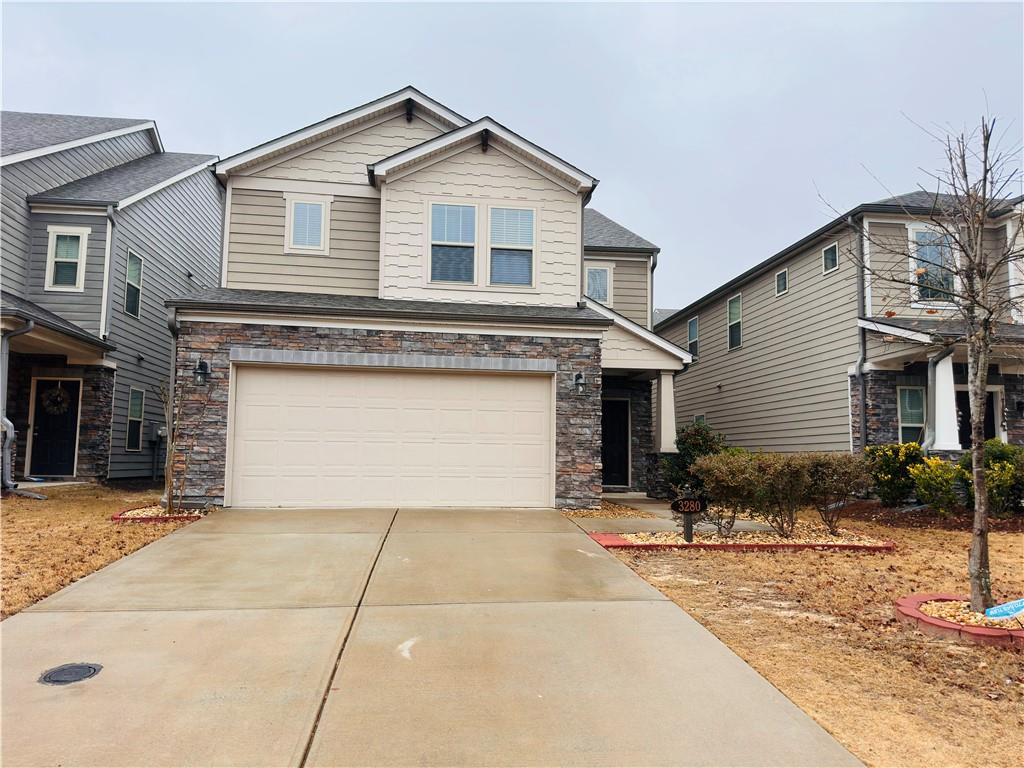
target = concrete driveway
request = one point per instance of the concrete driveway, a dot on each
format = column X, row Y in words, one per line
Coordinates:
column 376, row 637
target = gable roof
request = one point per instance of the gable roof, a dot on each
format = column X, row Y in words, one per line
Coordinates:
column 407, row 96
column 125, row 184
column 483, row 129
column 638, row 330
column 601, row 233
column 24, row 135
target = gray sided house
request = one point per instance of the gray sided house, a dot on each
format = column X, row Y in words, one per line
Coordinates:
column 100, row 227
column 419, row 309
column 809, row 351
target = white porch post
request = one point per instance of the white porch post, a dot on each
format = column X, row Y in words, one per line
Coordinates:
column 665, row 429
column 947, row 434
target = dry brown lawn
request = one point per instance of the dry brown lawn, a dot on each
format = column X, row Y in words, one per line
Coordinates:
column 46, row 545
column 820, row 627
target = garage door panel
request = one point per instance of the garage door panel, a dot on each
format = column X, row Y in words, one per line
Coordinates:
column 311, row 437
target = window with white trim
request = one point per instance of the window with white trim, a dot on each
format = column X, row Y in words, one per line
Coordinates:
column 452, row 243
column 511, row 246
column 734, row 319
column 830, row 258
column 136, row 412
column 133, row 285
column 599, row 284
column 700, row 419
column 933, row 265
column 307, row 223
column 65, row 258
column 693, row 335
column 911, row 413
column 781, row 282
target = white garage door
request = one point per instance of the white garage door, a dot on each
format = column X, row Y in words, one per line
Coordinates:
column 339, row 437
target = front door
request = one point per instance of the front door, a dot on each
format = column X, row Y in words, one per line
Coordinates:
column 963, row 413
column 55, row 427
column 615, row 441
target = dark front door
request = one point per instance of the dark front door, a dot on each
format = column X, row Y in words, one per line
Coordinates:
column 615, row 441
column 963, row 413
column 55, row 427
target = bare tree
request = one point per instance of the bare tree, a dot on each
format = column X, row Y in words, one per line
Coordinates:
column 975, row 272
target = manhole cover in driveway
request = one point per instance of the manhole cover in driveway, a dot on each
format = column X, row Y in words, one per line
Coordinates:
column 66, row 674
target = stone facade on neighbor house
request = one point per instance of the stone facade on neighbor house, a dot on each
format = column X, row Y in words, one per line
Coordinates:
column 201, row 458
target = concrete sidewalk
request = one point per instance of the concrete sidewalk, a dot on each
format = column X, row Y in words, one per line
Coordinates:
column 440, row 637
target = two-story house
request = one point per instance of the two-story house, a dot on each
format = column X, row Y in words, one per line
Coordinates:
column 848, row 333
column 100, row 227
column 402, row 319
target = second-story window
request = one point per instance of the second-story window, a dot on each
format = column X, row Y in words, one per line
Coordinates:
column 65, row 258
column 307, row 223
column 452, row 243
column 599, row 284
column 735, row 319
column 692, row 335
column 133, row 285
column 781, row 282
column 830, row 258
column 934, row 265
column 511, row 246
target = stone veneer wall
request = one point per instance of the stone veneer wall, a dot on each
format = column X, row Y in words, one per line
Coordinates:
column 94, row 419
column 1014, row 393
column 204, row 410
column 641, row 436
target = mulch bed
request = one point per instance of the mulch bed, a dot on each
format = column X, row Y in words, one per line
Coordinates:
column 608, row 510
column 946, row 615
column 871, row 511
column 806, row 535
column 154, row 513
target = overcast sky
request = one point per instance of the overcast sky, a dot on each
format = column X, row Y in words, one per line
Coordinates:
column 713, row 128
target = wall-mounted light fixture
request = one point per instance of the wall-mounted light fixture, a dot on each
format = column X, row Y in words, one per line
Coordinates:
column 201, row 373
column 579, row 382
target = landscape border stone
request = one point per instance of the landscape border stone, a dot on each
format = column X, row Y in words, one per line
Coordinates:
column 615, row 541
column 908, row 611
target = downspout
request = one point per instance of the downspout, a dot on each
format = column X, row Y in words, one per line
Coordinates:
column 929, row 426
column 7, row 477
column 862, row 337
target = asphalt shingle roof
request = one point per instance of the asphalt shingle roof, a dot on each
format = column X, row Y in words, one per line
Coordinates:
column 326, row 303
column 601, row 232
column 948, row 328
column 920, row 199
column 115, row 184
column 15, row 306
column 25, row 131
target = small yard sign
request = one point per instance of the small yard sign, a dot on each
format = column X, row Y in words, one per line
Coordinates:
column 1006, row 610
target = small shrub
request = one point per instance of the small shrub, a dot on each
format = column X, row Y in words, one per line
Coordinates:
column 889, row 466
column 833, row 479
column 692, row 442
column 1004, row 477
column 936, row 483
column 728, row 483
column 781, row 482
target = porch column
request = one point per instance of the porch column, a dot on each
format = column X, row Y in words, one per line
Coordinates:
column 665, row 429
column 947, row 433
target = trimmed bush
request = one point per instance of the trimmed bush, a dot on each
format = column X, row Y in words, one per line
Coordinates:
column 728, row 481
column 889, row 466
column 692, row 442
column 936, row 482
column 833, row 479
column 1004, row 477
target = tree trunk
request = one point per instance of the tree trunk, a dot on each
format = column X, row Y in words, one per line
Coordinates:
column 977, row 561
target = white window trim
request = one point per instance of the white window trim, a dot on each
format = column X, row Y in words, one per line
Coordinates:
column 786, row 273
column 431, row 242
column 836, row 267
column 916, row 302
column 142, row 270
column 129, row 420
column 608, row 267
column 532, row 249
column 899, row 411
column 324, row 201
column 696, row 338
column 998, row 405
column 83, row 247
column 729, row 325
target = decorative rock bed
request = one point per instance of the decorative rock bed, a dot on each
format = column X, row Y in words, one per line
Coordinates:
column 917, row 609
column 153, row 513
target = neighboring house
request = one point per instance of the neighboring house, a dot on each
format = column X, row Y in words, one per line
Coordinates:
column 100, row 226
column 786, row 353
column 401, row 320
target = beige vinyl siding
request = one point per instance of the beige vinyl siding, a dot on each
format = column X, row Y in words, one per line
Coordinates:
column 257, row 258
column 344, row 160
column 620, row 349
column 630, row 284
column 480, row 178
column 786, row 388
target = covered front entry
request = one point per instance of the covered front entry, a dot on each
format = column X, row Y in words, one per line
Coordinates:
column 329, row 437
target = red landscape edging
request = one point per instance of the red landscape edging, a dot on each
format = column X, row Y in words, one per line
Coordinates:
column 908, row 611
column 117, row 517
column 615, row 541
